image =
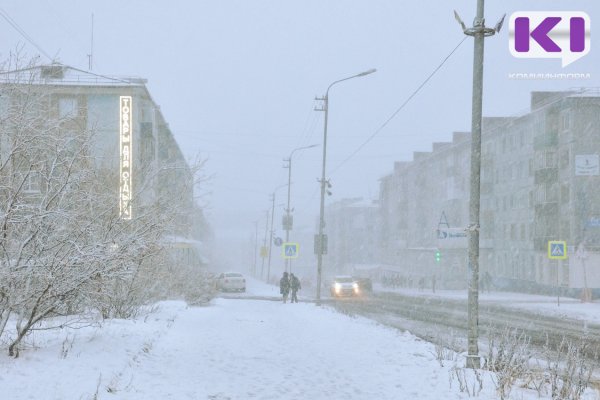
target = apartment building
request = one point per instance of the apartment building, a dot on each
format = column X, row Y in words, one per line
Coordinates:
column 540, row 181
column 130, row 143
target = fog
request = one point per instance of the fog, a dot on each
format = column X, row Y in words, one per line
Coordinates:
column 237, row 80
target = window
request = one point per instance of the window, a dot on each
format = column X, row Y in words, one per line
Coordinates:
column 564, row 194
column 565, row 121
column 522, row 138
column 32, row 182
column 564, row 158
column 531, row 167
column 551, row 159
column 531, row 234
column 531, row 198
column 67, row 107
column 552, row 192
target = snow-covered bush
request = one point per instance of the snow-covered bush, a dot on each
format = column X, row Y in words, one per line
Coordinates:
column 508, row 357
column 64, row 249
column 569, row 368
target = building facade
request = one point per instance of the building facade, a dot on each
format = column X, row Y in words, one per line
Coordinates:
column 129, row 142
column 352, row 236
column 540, row 182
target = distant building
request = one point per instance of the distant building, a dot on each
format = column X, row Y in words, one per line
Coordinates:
column 351, row 226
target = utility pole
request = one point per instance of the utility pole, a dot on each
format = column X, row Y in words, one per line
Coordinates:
column 479, row 32
column 288, row 224
column 255, row 246
column 325, row 109
column 271, row 239
column 263, row 255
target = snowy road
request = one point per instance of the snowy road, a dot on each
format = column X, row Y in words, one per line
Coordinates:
column 236, row 348
column 242, row 349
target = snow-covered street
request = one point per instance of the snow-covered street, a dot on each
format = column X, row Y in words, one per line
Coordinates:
column 234, row 349
column 266, row 350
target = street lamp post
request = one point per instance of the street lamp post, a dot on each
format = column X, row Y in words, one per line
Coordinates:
column 325, row 108
column 288, row 224
column 271, row 239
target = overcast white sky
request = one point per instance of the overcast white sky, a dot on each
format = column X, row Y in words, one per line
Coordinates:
column 236, row 81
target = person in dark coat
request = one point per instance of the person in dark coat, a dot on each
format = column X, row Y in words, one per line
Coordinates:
column 294, row 286
column 284, row 286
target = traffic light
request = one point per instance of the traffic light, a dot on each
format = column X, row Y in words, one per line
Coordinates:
column 438, row 256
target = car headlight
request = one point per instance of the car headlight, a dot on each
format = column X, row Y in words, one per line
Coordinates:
column 337, row 287
column 355, row 286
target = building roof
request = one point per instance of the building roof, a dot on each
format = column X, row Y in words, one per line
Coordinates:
column 59, row 74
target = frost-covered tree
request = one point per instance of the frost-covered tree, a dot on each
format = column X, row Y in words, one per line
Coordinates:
column 64, row 248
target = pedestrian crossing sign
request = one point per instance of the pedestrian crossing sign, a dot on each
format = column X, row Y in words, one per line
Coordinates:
column 557, row 250
column 290, row 250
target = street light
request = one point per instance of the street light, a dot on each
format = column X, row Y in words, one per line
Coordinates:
column 271, row 239
column 325, row 108
column 288, row 224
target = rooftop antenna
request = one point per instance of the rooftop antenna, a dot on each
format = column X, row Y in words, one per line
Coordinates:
column 91, row 55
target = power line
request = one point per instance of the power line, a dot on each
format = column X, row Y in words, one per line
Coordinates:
column 378, row 130
column 13, row 23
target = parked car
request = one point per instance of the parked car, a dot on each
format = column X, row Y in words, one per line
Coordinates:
column 231, row 282
column 344, row 286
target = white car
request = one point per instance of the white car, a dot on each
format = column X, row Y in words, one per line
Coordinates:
column 231, row 282
column 344, row 286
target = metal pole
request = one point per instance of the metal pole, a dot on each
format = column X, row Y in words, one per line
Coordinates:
column 288, row 262
column 255, row 247
column 473, row 360
column 323, row 182
column 262, row 267
column 288, row 266
column 322, row 206
column 271, row 240
column 558, row 265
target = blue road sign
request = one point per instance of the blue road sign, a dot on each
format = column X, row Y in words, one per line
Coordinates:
column 290, row 250
column 557, row 249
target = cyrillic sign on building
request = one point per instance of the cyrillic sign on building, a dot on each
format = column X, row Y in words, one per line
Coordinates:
column 126, row 156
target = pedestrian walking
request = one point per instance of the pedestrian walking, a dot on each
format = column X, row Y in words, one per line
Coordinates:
column 294, row 286
column 284, row 287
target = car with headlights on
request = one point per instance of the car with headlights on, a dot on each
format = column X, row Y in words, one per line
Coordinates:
column 231, row 282
column 365, row 285
column 344, row 286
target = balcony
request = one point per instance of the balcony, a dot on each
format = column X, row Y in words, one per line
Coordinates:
column 546, row 175
column 549, row 139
